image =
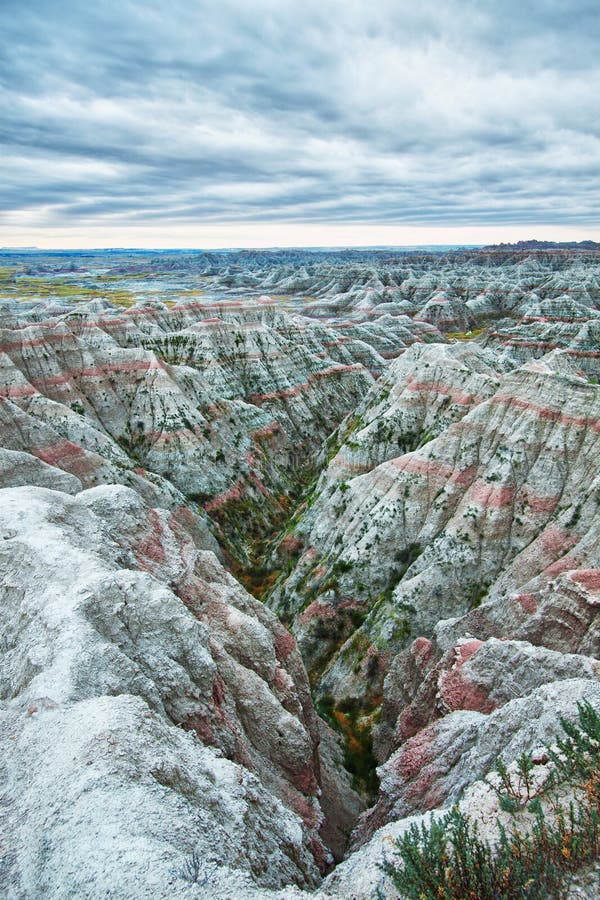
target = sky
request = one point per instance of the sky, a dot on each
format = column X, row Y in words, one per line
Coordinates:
column 274, row 123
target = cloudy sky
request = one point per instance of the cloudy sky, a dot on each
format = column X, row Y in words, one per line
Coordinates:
column 253, row 122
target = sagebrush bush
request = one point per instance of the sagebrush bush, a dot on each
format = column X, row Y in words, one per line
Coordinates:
column 448, row 860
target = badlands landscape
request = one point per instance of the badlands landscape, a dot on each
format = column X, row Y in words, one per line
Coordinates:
column 294, row 546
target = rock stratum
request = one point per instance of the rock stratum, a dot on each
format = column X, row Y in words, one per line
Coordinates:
column 294, row 546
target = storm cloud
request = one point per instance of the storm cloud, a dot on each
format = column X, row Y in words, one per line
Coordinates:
column 446, row 112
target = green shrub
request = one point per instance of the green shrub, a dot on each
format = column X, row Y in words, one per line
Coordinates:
column 476, row 595
column 448, row 860
column 357, row 617
column 346, row 718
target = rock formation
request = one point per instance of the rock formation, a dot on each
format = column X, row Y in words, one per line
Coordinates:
column 399, row 453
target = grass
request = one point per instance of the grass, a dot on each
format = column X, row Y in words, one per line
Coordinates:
column 7, row 274
column 26, row 287
column 464, row 335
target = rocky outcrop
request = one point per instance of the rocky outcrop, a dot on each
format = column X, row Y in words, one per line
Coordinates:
column 452, row 291
column 361, row 875
column 455, row 582
column 496, row 506
column 470, row 728
column 424, row 683
column 146, row 696
column 222, row 405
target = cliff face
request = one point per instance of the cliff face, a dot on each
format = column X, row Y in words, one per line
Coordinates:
column 497, row 505
column 449, row 567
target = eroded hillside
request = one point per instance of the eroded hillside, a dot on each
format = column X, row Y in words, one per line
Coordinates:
column 400, row 456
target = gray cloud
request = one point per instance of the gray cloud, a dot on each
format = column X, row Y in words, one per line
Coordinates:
column 455, row 113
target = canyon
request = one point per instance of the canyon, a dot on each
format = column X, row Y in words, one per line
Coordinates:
column 294, row 545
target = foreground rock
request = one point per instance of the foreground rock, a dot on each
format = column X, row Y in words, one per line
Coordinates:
column 152, row 711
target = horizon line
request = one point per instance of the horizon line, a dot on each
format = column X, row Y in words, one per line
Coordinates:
column 226, row 248
column 276, row 247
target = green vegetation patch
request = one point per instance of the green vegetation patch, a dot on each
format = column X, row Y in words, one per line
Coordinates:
column 449, row 860
column 355, row 725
